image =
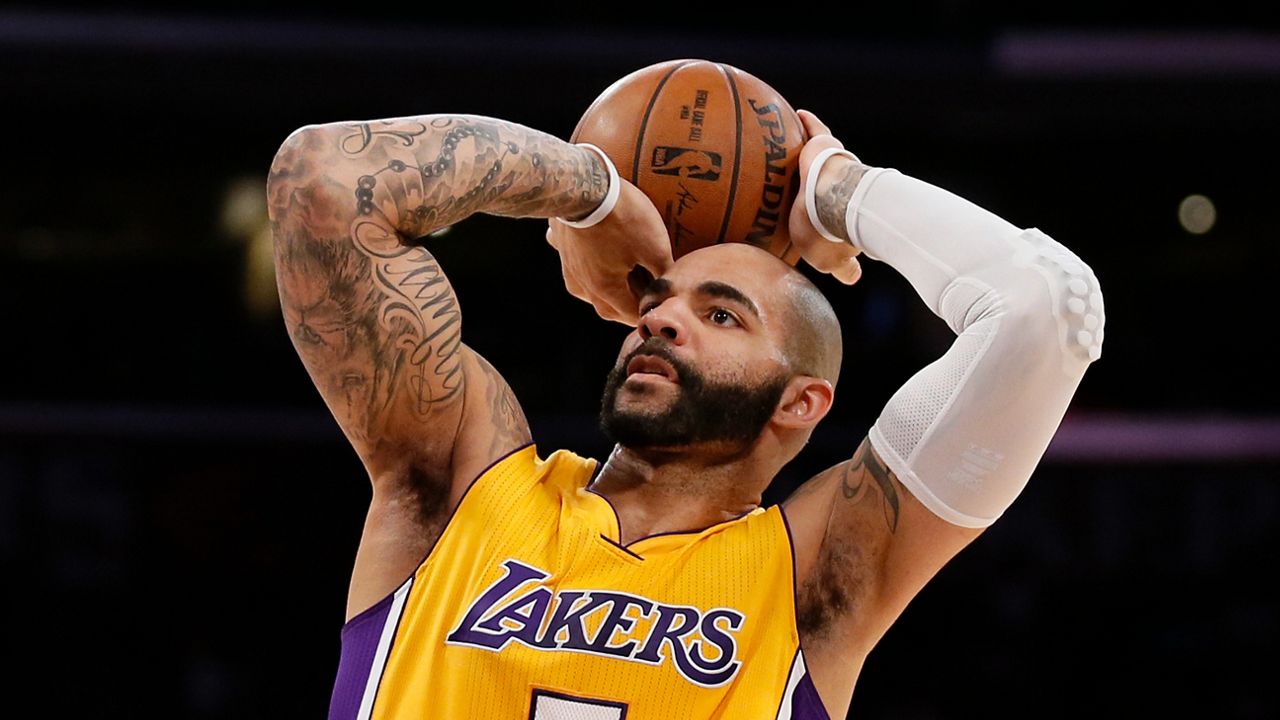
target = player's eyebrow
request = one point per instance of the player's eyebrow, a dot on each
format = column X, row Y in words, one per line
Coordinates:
column 711, row 288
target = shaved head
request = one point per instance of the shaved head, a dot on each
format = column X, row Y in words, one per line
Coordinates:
column 812, row 344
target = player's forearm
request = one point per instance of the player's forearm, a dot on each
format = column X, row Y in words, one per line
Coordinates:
column 416, row 175
column 935, row 238
column 966, row 432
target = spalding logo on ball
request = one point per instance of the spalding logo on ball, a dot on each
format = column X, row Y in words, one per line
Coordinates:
column 715, row 148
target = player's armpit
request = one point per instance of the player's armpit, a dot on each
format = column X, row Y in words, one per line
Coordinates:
column 865, row 544
column 842, row 521
column 864, row 547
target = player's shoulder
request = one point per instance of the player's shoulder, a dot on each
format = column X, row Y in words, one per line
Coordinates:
column 507, row 480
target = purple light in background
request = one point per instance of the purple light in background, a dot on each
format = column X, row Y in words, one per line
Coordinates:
column 1154, row 438
column 1136, row 54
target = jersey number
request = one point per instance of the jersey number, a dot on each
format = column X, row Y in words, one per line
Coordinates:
column 549, row 705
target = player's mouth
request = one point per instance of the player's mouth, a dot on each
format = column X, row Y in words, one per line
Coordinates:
column 651, row 367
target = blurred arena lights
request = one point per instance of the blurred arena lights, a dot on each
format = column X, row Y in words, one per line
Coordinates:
column 1197, row 214
column 244, row 220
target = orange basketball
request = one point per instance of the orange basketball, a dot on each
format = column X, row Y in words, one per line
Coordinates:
column 715, row 148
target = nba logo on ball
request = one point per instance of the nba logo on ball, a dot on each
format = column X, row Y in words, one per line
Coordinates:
column 686, row 162
column 715, row 148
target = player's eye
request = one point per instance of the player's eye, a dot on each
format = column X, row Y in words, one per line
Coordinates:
column 719, row 312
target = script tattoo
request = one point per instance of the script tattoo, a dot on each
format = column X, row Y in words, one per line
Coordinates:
column 369, row 309
column 365, row 133
column 833, row 200
column 856, row 489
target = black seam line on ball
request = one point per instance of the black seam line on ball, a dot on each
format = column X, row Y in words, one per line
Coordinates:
column 737, row 150
column 644, row 122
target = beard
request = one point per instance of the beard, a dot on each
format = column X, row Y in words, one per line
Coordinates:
column 701, row 412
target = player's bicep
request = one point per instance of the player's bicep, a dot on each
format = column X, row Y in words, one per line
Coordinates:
column 865, row 547
column 376, row 322
column 493, row 425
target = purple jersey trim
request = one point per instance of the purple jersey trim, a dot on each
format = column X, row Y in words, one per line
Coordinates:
column 805, row 703
column 360, row 639
column 361, row 634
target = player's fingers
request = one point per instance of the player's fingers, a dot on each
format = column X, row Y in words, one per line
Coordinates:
column 571, row 283
column 553, row 233
column 605, row 309
column 837, row 259
column 811, row 150
column 849, row 272
column 657, row 258
column 612, row 299
column 812, row 125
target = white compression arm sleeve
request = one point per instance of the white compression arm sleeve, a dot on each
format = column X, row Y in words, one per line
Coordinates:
column 965, row 433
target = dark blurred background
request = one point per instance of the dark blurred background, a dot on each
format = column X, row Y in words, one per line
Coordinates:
column 179, row 513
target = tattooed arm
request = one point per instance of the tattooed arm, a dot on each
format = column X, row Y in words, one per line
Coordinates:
column 375, row 320
column 956, row 444
column 865, row 546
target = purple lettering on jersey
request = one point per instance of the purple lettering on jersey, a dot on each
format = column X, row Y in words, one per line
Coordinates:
column 618, row 620
column 527, row 622
column 568, row 617
column 689, row 659
column 681, row 635
column 663, row 630
column 717, row 636
column 466, row 633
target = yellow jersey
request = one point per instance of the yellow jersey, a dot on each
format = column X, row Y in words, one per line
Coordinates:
column 529, row 608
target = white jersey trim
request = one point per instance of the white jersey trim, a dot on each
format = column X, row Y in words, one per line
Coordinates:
column 384, row 648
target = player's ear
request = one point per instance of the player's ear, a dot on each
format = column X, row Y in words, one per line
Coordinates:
column 805, row 401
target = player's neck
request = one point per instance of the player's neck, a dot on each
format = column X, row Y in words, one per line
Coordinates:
column 669, row 493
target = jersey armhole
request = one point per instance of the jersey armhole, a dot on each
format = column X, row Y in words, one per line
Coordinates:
column 388, row 598
column 801, row 700
column 795, row 588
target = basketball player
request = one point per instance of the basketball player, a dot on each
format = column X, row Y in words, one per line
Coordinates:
column 496, row 579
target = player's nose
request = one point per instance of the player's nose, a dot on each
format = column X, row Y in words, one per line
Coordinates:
column 666, row 319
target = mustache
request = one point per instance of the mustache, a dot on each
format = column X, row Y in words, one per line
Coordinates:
column 658, row 348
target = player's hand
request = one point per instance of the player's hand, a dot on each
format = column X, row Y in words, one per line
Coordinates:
column 838, row 259
column 610, row 263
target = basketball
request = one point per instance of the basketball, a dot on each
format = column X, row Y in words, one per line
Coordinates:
column 714, row 147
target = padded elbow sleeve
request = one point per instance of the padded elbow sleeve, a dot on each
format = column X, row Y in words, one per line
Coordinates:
column 965, row 433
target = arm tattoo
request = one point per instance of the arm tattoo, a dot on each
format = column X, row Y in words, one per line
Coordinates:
column 438, row 172
column 833, row 200
column 370, row 325
column 511, row 429
column 856, row 489
column 368, row 308
column 845, row 571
